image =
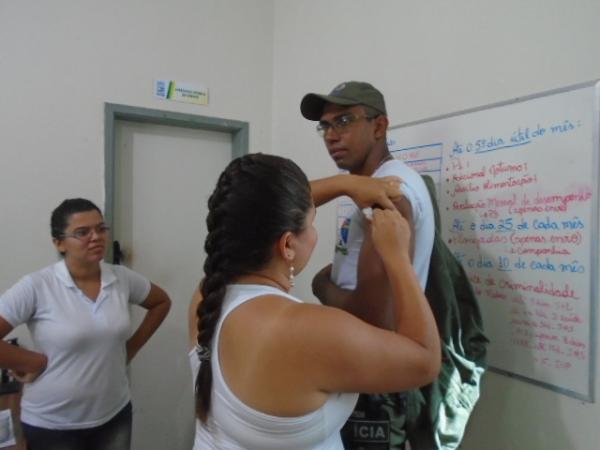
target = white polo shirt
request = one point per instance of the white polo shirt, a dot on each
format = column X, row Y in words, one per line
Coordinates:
column 85, row 383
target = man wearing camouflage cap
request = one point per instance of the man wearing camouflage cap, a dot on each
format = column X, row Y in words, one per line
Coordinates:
column 352, row 121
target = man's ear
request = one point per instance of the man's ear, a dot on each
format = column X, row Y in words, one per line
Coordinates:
column 381, row 126
column 285, row 246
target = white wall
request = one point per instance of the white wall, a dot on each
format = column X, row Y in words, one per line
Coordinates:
column 431, row 58
column 60, row 61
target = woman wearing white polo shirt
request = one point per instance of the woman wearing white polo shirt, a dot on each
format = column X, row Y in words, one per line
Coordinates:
column 76, row 394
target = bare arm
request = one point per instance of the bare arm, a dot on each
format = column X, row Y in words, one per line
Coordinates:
column 25, row 364
column 413, row 316
column 371, row 300
column 343, row 354
column 158, row 304
column 365, row 191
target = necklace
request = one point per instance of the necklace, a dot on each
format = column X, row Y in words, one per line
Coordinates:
column 268, row 281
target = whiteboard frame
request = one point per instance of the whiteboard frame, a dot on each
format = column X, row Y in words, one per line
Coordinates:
column 593, row 304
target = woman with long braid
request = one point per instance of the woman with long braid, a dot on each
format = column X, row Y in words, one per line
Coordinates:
column 271, row 371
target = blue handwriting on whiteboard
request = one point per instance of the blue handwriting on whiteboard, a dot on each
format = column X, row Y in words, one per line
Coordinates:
column 521, row 136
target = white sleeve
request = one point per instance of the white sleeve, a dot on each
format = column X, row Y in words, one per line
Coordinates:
column 139, row 285
column 18, row 303
column 409, row 191
column 414, row 200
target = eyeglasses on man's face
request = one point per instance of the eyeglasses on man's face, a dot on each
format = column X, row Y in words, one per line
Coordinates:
column 86, row 233
column 340, row 123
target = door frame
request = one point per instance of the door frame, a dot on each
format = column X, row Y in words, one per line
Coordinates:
column 113, row 112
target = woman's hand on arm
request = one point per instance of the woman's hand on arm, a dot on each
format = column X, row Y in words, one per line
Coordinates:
column 391, row 236
column 25, row 365
column 350, row 355
column 371, row 299
column 365, row 191
column 158, row 304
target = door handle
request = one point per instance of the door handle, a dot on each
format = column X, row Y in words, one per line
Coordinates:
column 117, row 253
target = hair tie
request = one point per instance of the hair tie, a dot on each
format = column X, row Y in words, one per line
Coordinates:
column 203, row 352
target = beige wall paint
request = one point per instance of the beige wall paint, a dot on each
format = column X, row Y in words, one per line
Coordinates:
column 60, row 61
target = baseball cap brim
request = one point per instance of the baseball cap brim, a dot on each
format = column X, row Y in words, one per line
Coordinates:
column 312, row 104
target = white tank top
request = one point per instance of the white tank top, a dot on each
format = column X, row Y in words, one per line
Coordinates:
column 232, row 425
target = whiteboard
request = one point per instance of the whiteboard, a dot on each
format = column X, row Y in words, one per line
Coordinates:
column 517, row 186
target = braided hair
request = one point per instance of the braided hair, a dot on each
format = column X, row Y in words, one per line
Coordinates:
column 257, row 199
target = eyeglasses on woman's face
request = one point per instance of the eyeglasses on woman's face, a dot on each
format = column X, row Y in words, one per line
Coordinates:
column 85, row 234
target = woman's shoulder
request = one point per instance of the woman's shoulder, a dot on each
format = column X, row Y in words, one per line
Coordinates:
column 38, row 283
column 49, row 274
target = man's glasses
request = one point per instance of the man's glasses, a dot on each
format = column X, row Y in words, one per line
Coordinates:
column 85, row 233
column 340, row 124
